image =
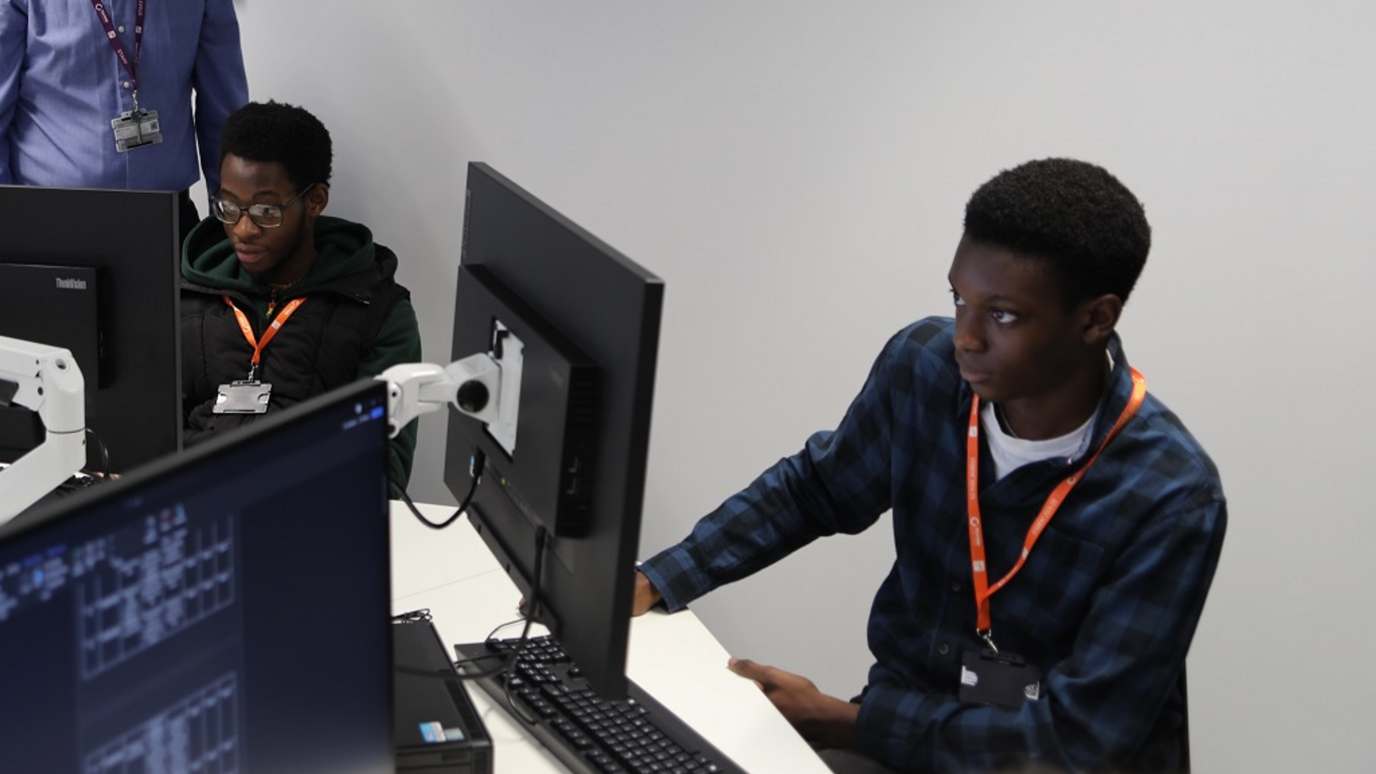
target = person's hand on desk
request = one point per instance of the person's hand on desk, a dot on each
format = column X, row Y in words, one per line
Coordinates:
column 817, row 716
column 646, row 595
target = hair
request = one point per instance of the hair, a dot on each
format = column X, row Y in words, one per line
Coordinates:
column 285, row 134
column 1079, row 221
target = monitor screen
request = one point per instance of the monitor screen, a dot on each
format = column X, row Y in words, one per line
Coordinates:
column 581, row 321
column 97, row 272
column 224, row 609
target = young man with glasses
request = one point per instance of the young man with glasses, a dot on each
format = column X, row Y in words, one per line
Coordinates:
column 279, row 301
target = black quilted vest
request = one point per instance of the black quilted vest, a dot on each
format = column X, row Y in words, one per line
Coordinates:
column 319, row 348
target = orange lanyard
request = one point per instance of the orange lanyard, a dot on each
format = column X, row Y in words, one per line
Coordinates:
column 273, row 327
column 1053, row 503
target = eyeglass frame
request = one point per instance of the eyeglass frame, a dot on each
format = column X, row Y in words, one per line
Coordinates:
column 248, row 210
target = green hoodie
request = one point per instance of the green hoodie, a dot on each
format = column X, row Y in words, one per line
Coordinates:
column 346, row 250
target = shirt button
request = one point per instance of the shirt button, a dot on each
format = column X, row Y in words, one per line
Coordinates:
column 955, row 585
column 121, row 28
column 943, row 649
column 126, row 84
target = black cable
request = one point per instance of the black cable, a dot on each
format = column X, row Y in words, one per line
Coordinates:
column 413, row 616
column 422, row 615
column 510, row 658
column 104, row 470
column 533, row 607
column 406, row 498
column 475, row 469
column 490, row 635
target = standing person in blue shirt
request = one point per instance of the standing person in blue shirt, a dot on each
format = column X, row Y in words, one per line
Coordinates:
column 1056, row 527
column 98, row 93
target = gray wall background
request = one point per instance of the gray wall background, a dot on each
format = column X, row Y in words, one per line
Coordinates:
column 796, row 172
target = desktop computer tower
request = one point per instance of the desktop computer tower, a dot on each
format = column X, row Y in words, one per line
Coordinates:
column 438, row 731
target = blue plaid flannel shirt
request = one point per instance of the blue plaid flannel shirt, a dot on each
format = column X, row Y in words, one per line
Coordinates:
column 1105, row 606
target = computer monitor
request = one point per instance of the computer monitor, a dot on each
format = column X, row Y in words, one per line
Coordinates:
column 97, row 272
column 582, row 321
column 223, row 609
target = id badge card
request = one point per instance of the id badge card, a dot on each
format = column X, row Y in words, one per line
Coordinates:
column 136, row 129
column 1000, row 679
column 243, row 397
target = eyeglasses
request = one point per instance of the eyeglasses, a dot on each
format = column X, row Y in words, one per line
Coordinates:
column 262, row 215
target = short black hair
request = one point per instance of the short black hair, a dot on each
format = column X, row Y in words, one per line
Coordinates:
column 1084, row 225
column 278, row 132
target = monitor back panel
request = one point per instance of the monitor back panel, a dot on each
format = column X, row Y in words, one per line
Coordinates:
column 609, row 308
column 130, row 238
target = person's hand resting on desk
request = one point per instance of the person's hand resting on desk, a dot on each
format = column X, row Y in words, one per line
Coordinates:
column 646, row 595
column 815, row 715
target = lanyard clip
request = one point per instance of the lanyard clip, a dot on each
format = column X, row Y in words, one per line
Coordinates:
column 252, row 371
column 987, row 636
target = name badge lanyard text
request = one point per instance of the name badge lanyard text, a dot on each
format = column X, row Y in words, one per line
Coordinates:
column 140, row 12
column 983, row 591
column 272, row 329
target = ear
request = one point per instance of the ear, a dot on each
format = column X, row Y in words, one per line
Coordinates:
column 1098, row 317
column 316, row 199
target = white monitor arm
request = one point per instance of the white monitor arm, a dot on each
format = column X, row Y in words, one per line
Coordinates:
column 46, row 380
column 420, row 388
column 481, row 386
column 485, row 386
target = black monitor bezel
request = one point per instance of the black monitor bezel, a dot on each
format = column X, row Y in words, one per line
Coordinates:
column 610, row 307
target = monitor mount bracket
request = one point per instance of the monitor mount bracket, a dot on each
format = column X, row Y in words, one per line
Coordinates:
column 48, row 381
column 485, row 387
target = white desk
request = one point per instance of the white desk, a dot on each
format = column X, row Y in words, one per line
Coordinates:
column 673, row 657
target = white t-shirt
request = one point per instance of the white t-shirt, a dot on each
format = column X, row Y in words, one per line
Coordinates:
column 1011, row 452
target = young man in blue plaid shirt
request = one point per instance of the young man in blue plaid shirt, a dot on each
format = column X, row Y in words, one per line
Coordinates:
column 1056, row 526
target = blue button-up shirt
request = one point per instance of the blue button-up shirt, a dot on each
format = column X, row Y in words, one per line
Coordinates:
column 1105, row 607
column 61, row 85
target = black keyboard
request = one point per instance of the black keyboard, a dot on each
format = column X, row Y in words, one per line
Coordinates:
column 587, row 733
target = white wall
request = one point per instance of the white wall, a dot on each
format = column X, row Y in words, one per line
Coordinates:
column 796, row 172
